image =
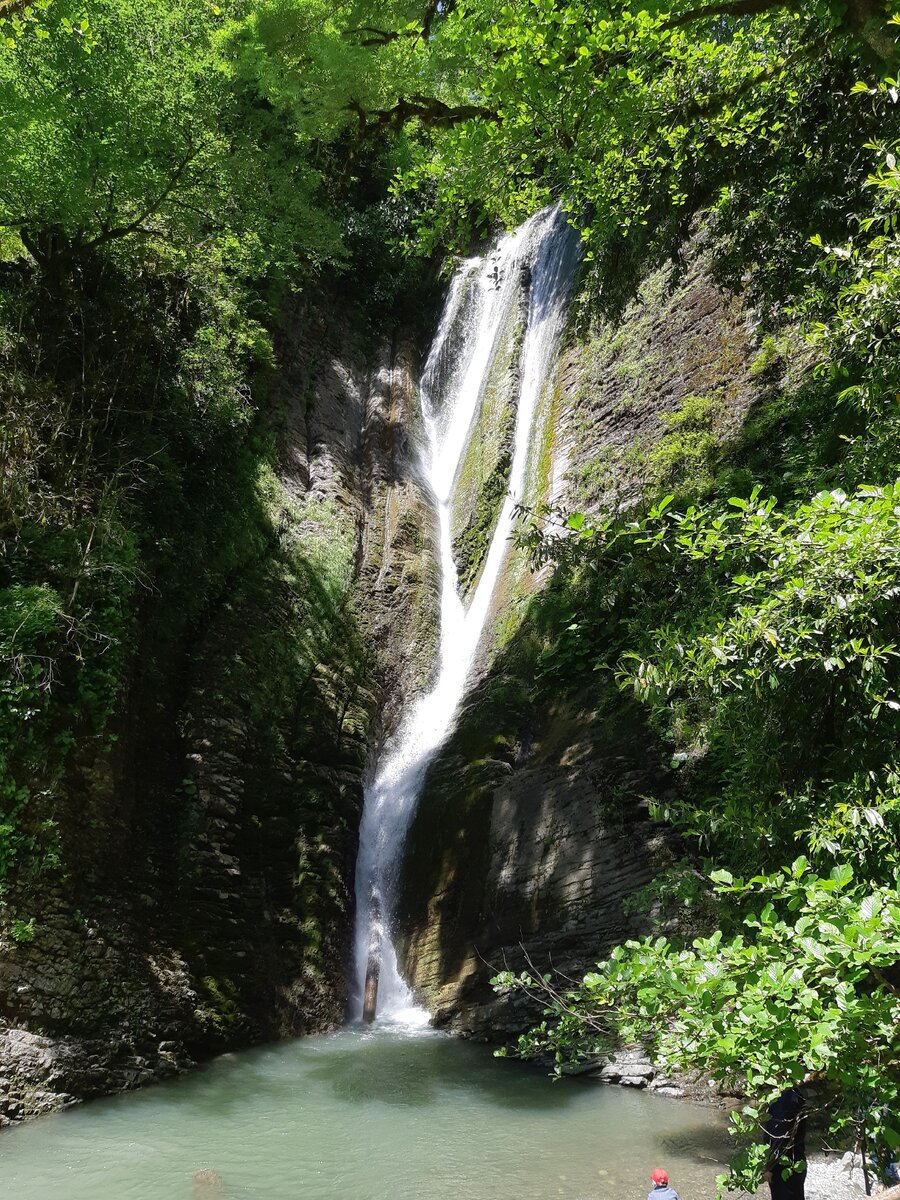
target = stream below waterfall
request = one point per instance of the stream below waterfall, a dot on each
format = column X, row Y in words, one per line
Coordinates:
column 390, row 1113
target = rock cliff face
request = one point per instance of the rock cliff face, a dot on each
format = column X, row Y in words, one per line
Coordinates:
column 533, row 833
column 484, row 473
column 204, row 894
column 531, row 853
column 204, row 891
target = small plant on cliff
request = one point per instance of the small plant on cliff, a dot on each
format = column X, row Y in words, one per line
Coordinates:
column 686, row 454
column 23, row 931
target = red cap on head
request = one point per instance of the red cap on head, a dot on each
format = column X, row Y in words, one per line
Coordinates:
column 659, row 1175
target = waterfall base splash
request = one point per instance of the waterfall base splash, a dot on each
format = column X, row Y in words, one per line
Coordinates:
column 370, row 996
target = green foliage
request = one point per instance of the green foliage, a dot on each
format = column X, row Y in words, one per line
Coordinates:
column 640, row 118
column 131, row 126
column 852, row 312
column 680, row 896
column 169, row 173
column 220, row 1007
column 812, row 589
column 762, row 638
column 791, row 613
column 800, row 989
column 729, row 619
column 31, row 624
column 23, row 931
column 472, row 544
column 686, row 454
column 62, row 665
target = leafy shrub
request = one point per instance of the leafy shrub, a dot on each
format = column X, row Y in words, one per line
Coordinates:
column 686, row 454
column 801, row 988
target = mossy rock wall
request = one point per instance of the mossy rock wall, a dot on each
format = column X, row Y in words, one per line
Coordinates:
column 484, row 472
column 533, row 832
column 199, row 892
column 681, row 338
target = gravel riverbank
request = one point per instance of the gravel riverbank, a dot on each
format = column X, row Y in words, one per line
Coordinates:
column 827, row 1179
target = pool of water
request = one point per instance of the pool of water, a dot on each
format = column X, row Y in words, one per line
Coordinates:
column 381, row 1114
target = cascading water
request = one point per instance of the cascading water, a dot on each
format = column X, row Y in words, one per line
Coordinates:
column 453, row 382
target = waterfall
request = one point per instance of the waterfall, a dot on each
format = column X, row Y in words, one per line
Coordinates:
column 478, row 304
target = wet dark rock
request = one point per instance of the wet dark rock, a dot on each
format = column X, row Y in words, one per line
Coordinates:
column 537, row 862
column 210, row 852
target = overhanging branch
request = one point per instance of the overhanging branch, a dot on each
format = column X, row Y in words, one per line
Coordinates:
column 864, row 19
column 137, row 225
column 9, row 8
column 711, row 105
column 372, row 35
column 379, row 37
column 728, row 8
column 432, row 113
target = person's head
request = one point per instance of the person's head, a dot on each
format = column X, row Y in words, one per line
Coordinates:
column 659, row 1176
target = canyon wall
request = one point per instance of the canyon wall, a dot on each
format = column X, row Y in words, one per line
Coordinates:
column 533, row 840
column 200, row 892
column 196, row 894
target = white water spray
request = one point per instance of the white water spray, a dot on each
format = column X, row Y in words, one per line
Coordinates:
column 453, row 382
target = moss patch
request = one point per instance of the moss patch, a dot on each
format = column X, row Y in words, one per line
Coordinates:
column 484, row 473
column 682, row 337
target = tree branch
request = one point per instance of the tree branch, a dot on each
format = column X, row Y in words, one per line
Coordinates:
column 712, row 104
column 137, row 225
column 379, row 37
column 433, row 113
column 383, row 37
column 727, row 8
column 435, row 9
column 865, row 19
column 884, row 981
column 539, row 986
column 9, row 8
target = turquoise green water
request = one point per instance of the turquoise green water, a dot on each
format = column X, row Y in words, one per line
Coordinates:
column 380, row 1115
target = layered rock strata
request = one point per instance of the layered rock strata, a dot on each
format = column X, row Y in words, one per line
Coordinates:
column 204, row 893
column 533, row 836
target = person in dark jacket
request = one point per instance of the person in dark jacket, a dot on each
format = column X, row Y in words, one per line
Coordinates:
column 785, row 1132
column 661, row 1189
